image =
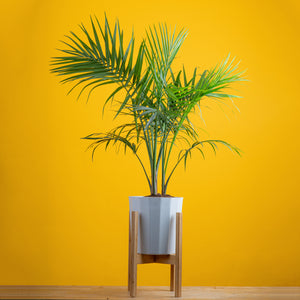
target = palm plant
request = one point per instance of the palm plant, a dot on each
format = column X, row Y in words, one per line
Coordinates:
column 158, row 100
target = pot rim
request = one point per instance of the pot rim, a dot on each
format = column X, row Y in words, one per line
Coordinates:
column 151, row 197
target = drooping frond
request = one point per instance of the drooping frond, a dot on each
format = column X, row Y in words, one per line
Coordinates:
column 119, row 136
column 198, row 145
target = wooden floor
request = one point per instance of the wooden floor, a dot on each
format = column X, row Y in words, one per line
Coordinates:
column 115, row 292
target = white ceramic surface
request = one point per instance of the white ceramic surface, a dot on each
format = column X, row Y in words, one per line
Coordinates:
column 157, row 223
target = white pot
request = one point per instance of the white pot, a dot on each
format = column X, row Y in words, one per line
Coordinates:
column 157, row 223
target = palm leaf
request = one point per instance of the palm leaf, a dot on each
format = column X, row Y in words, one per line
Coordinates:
column 158, row 100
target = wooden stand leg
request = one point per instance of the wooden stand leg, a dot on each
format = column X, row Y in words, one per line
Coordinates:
column 129, row 255
column 178, row 259
column 172, row 277
column 133, row 258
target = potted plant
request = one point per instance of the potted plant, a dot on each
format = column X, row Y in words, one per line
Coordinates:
column 157, row 101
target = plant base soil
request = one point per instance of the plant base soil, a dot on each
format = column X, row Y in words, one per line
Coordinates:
column 159, row 195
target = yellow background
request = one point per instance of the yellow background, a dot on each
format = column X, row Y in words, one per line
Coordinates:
column 64, row 218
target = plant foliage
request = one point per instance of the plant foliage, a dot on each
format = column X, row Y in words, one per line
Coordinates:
column 157, row 100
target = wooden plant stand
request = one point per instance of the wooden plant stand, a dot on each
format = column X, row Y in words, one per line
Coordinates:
column 134, row 258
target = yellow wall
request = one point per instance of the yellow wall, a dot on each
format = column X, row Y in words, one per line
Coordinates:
column 63, row 219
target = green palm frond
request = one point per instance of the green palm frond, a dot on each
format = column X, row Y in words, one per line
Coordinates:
column 116, row 139
column 100, row 58
column 186, row 153
column 158, row 100
column 161, row 48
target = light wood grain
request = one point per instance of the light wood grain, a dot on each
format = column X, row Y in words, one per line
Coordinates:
column 133, row 254
column 172, row 278
column 160, row 259
column 129, row 254
column 115, row 292
column 178, row 256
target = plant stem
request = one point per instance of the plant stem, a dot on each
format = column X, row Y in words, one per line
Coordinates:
column 154, row 178
column 163, row 191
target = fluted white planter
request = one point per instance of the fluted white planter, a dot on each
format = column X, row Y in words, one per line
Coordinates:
column 157, row 223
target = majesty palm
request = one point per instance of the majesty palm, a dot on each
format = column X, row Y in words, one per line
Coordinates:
column 157, row 100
